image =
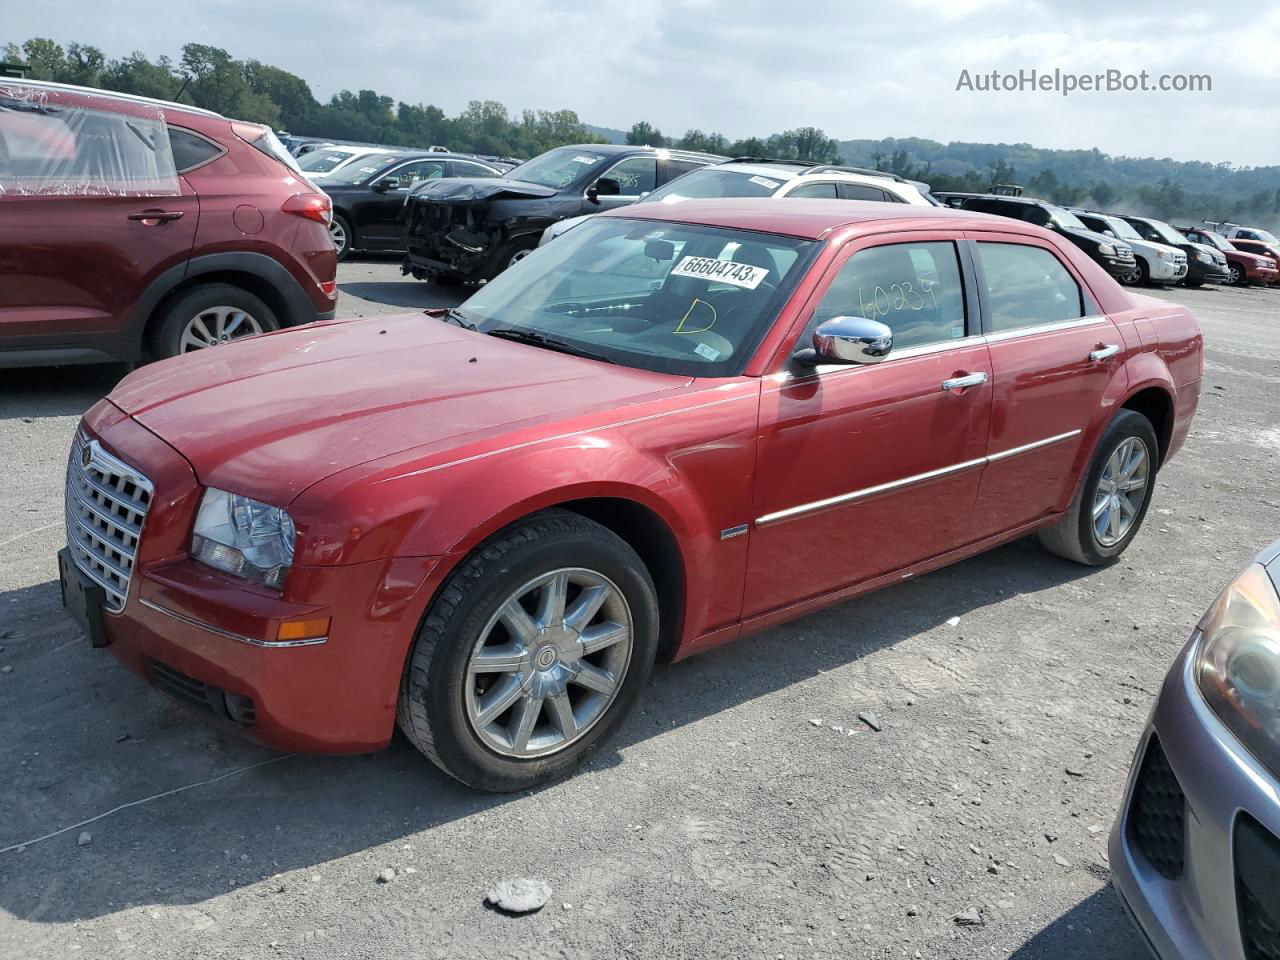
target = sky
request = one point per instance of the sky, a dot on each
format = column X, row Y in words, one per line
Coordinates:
column 755, row 67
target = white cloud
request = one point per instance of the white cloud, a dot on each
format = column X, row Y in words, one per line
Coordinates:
column 746, row 67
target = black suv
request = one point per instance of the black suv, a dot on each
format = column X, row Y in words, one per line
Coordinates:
column 1113, row 256
column 368, row 195
column 472, row 229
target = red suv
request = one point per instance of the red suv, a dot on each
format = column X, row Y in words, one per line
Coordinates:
column 133, row 227
column 675, row 424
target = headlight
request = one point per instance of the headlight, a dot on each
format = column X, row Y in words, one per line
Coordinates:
column 1106, row 249
column 244, row 537
column 1204, row 257
column 1238, row 665
column 1166, row 255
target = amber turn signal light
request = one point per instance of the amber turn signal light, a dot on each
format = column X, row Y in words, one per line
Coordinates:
column 295, row 630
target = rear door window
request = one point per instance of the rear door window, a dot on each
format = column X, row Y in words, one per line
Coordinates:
column 1026, row 286
column 816, row 191
column 914, row 288
column 860, row 191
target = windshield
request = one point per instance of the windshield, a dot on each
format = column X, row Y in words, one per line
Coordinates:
column 557, row 168
column 1122, row 228
column 364, row 170
column 671, row 298
column 1214, row 240
column 1065, row 218
column 322, row 161
column 709, row 182
column 1166, row 233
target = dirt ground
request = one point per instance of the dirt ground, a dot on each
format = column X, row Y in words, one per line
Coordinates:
column 722, row 822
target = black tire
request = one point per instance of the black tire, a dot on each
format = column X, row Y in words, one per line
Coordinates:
column 431, row 707
column 1132, row 278
column 1144, row 273
column 510, row 252
column 349, row 232
column 171, row 323
column 1073, row 536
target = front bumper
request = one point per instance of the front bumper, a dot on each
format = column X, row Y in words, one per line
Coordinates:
column 1194, row 910
column 1261, row 274
column 1118, row 266
column 199, row 635
column 1167, row 271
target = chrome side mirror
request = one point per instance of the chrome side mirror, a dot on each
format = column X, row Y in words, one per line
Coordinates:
column 851, row 340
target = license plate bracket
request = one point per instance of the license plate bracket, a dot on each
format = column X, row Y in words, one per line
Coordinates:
column 83, row 599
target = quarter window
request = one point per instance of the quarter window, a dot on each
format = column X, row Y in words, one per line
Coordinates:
column 914, row 288
column 189, row 150
column 816, row 191
column 1027, row 286
column 635, row 175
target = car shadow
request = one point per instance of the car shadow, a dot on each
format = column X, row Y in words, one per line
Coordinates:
column 82, row 736
column 401, row 293
column 1097, row 927
column 39, row 392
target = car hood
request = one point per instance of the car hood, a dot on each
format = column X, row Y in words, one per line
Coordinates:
column 271, row 416
column 1097, row 237
column 462, row 191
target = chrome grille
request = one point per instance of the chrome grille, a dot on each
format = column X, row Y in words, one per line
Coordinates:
column 106, row 504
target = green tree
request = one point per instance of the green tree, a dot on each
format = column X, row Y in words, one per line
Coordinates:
column 48, row 61
column 643, row 134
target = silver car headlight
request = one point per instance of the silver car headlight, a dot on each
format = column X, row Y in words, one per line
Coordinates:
column 244, row 537
column 1238, row 664
column 1204, row 257
column 1166, row 255
column 1106, row 249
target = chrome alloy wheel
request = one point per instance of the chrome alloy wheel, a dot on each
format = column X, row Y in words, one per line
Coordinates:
column 549, row 664
column 217, row 325
column 1121, row 490
column 338, row 234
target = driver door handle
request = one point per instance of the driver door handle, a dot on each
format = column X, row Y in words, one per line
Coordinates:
column 968, row 380
column 1103, row 352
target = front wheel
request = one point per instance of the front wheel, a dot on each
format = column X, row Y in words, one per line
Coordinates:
column 1236, row 276
column 535, row 649
column 1111, row 503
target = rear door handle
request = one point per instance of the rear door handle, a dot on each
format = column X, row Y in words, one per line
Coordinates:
column 1103, row 352
column 159, row 216
column 968, row 380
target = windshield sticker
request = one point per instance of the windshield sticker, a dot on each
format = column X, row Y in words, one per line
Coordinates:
column 584, row 158
column 706, row 352
column 725, row 271
column 765, row 182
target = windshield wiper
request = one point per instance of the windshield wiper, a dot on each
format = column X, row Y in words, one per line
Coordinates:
column 455, row 316
column 549, row 343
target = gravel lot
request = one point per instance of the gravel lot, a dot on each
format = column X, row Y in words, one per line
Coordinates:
column 745, row 812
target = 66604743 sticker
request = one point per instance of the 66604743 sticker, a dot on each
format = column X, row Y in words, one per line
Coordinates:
column 722, row 271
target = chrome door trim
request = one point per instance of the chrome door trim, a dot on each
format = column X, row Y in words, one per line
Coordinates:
column 968, row 380
column 193, row 622
column 805, row 508
column 1058, row 438
column 1045, row 328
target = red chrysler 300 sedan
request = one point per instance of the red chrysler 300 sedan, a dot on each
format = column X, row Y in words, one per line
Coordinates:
column 669, row 427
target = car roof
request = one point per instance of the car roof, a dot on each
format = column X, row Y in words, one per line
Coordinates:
column 617, row 149
column 812, row 219
column 110, row 95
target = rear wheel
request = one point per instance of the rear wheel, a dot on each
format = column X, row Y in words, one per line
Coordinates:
column 342, row 235
column 210, row 315
column 1236, row 276
column 533, row 652
column 1111, row 503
